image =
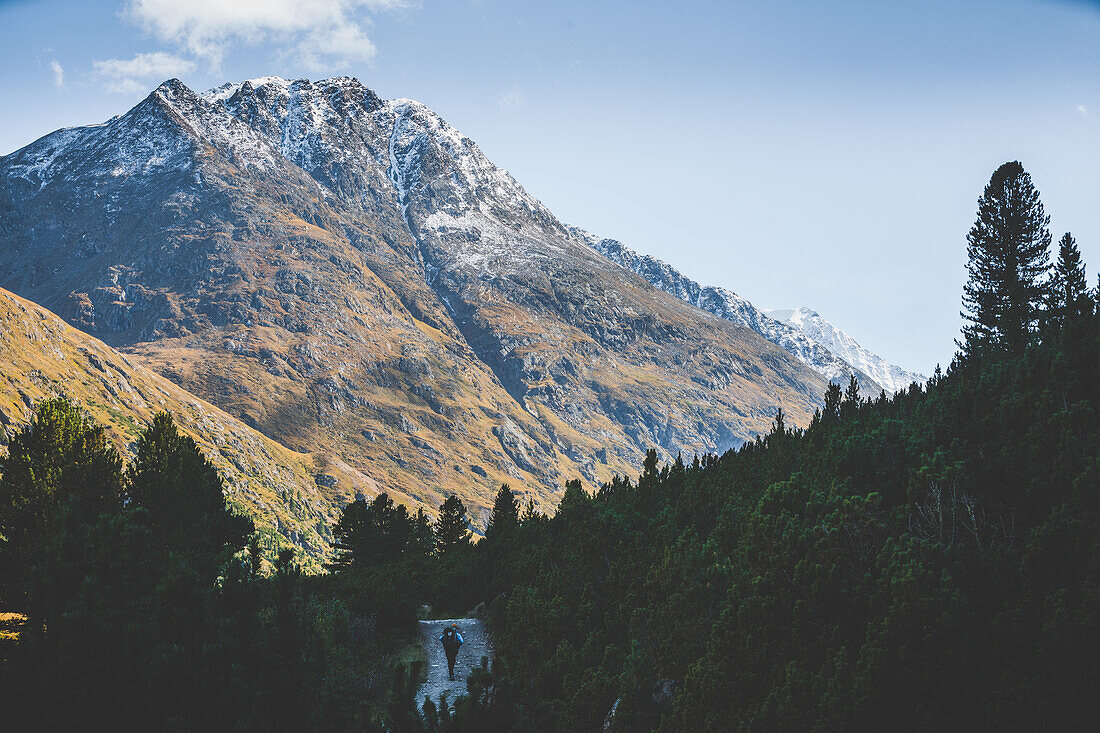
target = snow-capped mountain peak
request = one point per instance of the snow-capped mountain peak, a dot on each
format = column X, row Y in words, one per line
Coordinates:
column 378, row 289
column 892, row 377
column 380, row 155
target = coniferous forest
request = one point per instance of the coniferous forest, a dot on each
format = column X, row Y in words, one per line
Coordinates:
column 926, row 561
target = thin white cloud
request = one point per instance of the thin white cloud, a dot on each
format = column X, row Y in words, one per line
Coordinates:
column 326, row 49
column 126, row 76
column 510, row 100
column 58, row 74
column 1082, row 109
column 319, row 34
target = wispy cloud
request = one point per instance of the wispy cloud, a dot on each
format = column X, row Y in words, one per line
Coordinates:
column 58, row 74
column 126, row 76
column 318, row 34
column 510, row 100
column 1082, row 109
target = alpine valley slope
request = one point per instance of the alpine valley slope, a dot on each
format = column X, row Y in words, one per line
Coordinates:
column 353, row 278
column 287, row 493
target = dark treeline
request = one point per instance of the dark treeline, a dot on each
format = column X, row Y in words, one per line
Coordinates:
column 149, row 605
column 929, row 561
column 925, row 561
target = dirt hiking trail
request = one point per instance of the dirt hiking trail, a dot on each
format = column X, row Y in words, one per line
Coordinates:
column 477, row 645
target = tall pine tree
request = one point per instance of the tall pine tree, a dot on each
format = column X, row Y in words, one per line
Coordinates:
column 850, row 404
column 184, row 500
column 832, row 402
column 530, row 513
column 354, row 536
column 422, row 541
column 574, row 499
column 452, row 532
column 1069, row 289
column 1008, row 251
column 381, row 531
column 505, row 516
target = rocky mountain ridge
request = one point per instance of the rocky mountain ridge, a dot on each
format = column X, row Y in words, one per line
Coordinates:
column 353, row 278
column 803, row 333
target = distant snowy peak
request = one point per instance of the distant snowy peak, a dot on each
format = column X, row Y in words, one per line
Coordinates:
column 144, row 140
column 809, row 322
column 383, row 158
column 809, row 338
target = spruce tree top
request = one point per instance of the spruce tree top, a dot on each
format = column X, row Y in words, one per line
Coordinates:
column 452, row 528
column 1068, row 285
column 505, row 515
column 1008, row 252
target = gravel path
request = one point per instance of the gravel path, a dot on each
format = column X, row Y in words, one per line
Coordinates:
column 477, row 645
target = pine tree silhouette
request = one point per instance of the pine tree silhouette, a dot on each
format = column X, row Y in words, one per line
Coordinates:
column 505, row 516
column 184, row 498
column 452, row 531
column 1008, row 255
column 58, row 476
column 1069, row 288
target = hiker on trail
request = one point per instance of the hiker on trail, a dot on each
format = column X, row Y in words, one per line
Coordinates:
column 451, row 641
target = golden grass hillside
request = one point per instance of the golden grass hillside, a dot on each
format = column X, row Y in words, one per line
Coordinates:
column 293, row 497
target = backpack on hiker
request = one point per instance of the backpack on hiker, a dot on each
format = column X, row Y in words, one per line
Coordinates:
column 451, row 640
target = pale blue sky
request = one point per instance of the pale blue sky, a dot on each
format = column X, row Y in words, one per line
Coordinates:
column 826, row 154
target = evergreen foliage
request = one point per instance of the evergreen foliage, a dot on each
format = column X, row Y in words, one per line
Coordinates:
column 505, row 515
column 183, row 498
column 574, row 500
column 59, row 474
column 423, row 535
column 452, row 528
column 831, row 410
column 142, row 617
column 1069, row 288
column 927, row 562
column 378, row 532
column 1008, row 251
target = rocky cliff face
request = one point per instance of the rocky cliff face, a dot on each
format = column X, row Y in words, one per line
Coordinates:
column 352, row 277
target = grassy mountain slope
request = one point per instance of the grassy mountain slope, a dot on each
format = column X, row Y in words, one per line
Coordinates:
column 41, row 356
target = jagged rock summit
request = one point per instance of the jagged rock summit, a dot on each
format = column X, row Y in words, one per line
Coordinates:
column 353, row 278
